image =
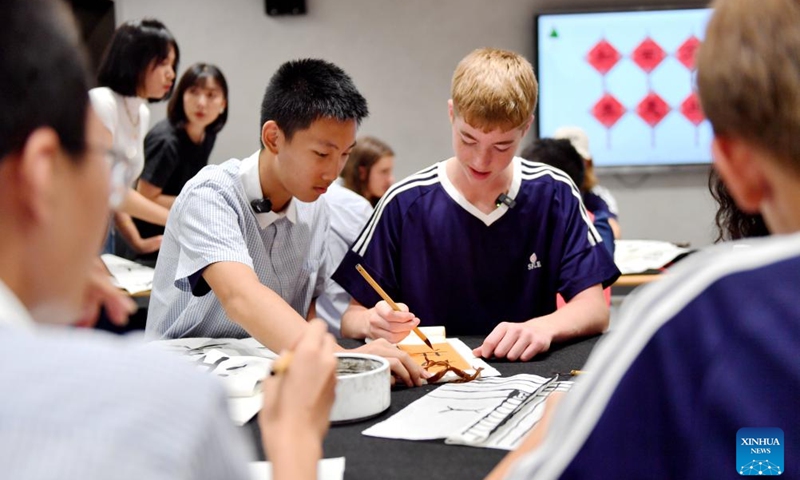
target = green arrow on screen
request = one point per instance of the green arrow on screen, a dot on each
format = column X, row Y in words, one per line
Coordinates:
column 553, row 33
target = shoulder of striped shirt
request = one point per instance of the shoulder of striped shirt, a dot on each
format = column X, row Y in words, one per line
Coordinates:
column 641, row 318
column 220, row 178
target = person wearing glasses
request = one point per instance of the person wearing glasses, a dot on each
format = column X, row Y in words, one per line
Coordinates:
column 138, row 66
column 179, row 146
column 82, row 404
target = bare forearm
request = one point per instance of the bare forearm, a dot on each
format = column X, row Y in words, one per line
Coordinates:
column 265, row 316
column 355, row 322
column 294, row 459
column 127, row 228
column 154, row 193
column 616, row 228
column 138, row 206
column 254, row 306
column 165, row 201
column 586, row 314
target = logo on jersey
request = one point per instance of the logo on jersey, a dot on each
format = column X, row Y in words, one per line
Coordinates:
column 535, row 263
column 759, row 451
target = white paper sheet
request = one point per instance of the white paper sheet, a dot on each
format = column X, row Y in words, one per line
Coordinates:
column 230, row 346
column 327, row 469
column 637, row 256
column 490, row 413
column 239, row 364
column 242, row 409
column 241, row 376
column 435, row 335
column 128, row 275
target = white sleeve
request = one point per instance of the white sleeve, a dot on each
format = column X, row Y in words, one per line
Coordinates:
column 144, row 124
column 105, row 106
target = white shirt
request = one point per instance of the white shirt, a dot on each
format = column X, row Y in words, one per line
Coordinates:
column 81, row 404
column 349, row 213
column 127, row 118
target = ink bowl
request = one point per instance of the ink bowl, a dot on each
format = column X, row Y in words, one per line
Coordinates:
column 363, row 387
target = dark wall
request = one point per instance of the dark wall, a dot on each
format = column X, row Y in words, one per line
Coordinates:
column 96, row 22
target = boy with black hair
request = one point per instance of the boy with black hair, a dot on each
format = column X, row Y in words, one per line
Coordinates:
column 557, row 153
column 244, row 253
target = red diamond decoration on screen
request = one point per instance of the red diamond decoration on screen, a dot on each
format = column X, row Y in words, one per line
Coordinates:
column 608, row 110
column 603, row 56
column 686, row 52
column 652, row 109
column 648, row 55
column 690, row 108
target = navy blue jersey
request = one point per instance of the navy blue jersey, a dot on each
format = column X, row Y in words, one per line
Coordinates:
column 696, row 356
column 455, row 266
column 595, row 204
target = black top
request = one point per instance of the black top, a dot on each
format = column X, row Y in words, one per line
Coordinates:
column 170, row 160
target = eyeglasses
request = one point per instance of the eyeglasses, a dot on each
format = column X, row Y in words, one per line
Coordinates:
column 120, row 165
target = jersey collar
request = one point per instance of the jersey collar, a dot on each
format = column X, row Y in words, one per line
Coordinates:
column 251, row 182
column 497, row 213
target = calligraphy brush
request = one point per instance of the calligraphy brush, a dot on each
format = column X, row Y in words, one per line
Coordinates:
column 385, row 296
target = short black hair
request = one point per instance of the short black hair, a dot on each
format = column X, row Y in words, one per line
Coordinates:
column 133, row 47
column 557, row 153
column 302, row 91
column 45, row 75
column 196, row 75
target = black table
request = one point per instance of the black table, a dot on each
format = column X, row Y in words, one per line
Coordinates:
column 384, row 459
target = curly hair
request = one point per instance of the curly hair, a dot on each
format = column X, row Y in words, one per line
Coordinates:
column 732, row 223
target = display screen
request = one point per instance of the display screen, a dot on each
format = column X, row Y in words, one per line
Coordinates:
column 628, row 80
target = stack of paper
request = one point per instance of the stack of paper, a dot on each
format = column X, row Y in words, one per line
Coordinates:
column 128, row 275
column 638, row 256
column 240, row 364
column 488, row 413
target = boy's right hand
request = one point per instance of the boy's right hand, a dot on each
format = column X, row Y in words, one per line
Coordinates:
column 383, row 322
column 402, row 365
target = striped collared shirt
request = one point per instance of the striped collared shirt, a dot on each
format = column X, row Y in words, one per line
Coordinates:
column 212, row 221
